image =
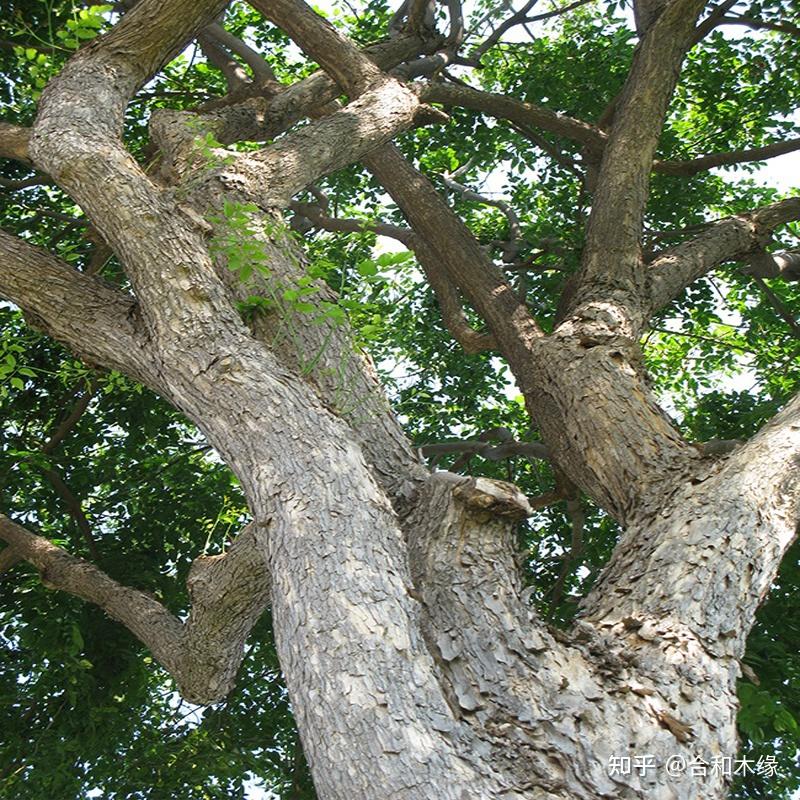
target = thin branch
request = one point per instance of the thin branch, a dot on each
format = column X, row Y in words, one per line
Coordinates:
column 518, row 111
column 75, row 509
column 490, row 41
column 779, row 306
column 25, row 183
column 712, row 20
column 762, row 24
column 70, row 420
column 315, row 214
column 511, row 244
column 695, row 165
column 450, row 305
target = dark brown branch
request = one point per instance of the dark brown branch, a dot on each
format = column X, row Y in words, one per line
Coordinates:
column 450, row 306
column 695, row 165
column 518, row 111
column 712, row 20
column 490, row 41
column 24, row 183
column 511, row 245
column 315, row 215
column 762, row 24
column 779, row 306
column 75, row 509
column 70, row 421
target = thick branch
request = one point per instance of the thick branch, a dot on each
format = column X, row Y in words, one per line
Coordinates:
column 707, row 561
column 88, row 316
column 344, row 62
column 491, row 452
column 229, row 592
column 277, row 173
column 611, row 258
column 265, row 116
column 14, row 142
column 735, row 237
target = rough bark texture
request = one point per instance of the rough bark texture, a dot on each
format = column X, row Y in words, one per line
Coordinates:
column 415, row 665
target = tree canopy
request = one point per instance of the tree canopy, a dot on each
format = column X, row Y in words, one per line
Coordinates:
column 108, row 470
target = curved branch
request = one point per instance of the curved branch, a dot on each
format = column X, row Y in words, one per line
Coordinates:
column 228, row 592
column 450, row 306
column 458, row 253
column 527, row 114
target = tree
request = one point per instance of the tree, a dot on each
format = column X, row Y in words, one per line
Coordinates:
column 416, row 663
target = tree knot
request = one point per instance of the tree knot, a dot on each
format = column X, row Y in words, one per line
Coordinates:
column 484, row 495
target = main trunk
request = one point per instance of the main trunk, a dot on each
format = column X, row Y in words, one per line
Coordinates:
column 414, row 666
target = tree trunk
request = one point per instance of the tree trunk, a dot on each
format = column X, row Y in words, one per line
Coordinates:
column 415, row 665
